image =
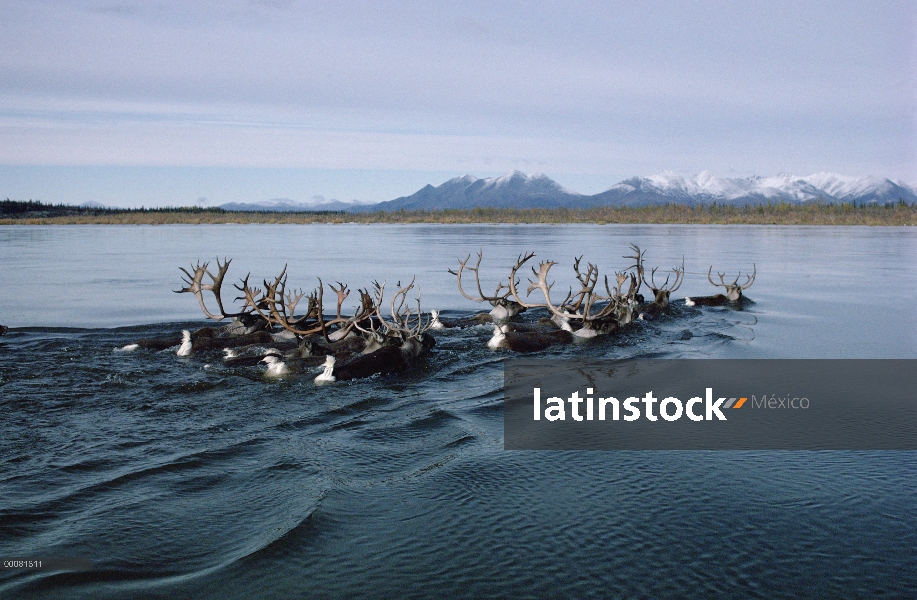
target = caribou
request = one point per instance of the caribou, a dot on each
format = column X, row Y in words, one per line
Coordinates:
column 528, row 341
column 733, row 293
column 404, row 340
column 596, row 314
column 591, row 310
column 503, row 307
column 584, row 312
column 662, row 292
column 268, row 329
column 263, row 311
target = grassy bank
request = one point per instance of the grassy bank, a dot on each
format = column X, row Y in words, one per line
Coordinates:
column 768, row 214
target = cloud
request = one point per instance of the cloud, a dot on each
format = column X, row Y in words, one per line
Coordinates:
column 275, row 4
column 582, row 86
column 120, row 9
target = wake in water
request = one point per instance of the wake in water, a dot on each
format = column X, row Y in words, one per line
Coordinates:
column 190, row 476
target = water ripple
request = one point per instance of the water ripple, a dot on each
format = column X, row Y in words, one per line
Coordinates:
column 183, row 477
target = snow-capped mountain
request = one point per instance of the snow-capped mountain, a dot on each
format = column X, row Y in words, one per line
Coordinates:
column 518, row 190
column 705, row 188
column 513, row 190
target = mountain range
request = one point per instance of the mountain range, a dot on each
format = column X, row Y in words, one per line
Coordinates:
column 288, row 205
column 519, row 190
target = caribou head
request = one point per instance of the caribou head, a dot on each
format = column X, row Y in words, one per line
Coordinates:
column 663, row 291
column 503, row 307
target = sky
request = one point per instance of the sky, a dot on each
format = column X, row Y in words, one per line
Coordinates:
column 181, row 103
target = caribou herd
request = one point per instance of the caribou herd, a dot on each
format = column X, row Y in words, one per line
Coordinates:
column 287, row 330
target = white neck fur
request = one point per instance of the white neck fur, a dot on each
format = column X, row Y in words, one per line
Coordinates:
column 327, row 375
column 185, row 348
column 275, row 366
column 499, row 337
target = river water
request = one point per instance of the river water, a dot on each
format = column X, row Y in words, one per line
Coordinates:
column 182, row 477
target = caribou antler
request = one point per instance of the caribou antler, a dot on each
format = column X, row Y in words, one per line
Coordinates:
column 664, row 290
column 621, row 277
column 587, row 283
column 281, row 306
column 587, row 296
column 513, row 280
column 197, row 287
column 365, row 311
column 640, row 277
column 463, row 266
column 342, row 293
column 749, row 279
column 679, row 278
column 401, row 312
column 277, row 306
column 624, row 302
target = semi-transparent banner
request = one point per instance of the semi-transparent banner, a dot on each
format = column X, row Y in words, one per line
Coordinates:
column 710, row 405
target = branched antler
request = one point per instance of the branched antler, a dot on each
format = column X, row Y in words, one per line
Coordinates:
column 587, row 298
column 663, row 290
column 679, row 273
column 624, row 302
column 587, row 283
column 401, row 313
column 495, row 299
column 640, row 273
column 342, row 293
column 503, row 307
column 196, row 286
column 749, row 279
column 278, row 306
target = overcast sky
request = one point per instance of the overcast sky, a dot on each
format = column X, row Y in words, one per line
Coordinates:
column 173, row 103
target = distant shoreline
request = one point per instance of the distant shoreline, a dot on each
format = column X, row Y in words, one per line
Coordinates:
column 766, row 214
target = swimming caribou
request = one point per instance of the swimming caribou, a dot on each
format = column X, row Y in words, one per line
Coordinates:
column 584, row 312
column 269, row 329
column 662, row 292
column 733, row 290
column 503, row 307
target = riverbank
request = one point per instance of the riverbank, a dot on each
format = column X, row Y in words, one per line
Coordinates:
column 768, row 214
